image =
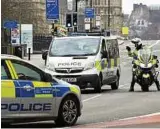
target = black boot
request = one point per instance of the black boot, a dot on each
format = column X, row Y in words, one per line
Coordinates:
column 132, row 86
column 157, row 84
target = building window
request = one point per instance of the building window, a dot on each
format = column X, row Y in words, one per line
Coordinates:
column 98, row 2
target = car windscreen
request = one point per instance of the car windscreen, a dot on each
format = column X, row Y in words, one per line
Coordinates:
column 74, row 47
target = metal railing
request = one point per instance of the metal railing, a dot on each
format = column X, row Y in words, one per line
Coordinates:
column 41, row 43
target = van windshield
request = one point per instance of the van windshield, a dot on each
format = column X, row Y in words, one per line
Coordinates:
column 74, row 47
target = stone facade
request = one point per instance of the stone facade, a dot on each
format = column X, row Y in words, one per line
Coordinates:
column 26, row 12
column 116, row 17
column 144, row 22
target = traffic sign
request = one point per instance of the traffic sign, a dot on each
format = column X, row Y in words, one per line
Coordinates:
column 98, row 18
column 87, row 20
column 89, row 12
column 10, row 24
column 52, row 9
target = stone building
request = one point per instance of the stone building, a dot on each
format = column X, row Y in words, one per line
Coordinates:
column 26, row 12
column 101, row 9
column 144, row 22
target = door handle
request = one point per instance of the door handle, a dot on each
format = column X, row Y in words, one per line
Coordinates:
column 28, row 88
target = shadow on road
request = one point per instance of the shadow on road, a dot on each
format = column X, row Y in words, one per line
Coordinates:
column 91, row 91
column 30, row 125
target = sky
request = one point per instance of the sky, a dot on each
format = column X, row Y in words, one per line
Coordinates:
column 128, row 4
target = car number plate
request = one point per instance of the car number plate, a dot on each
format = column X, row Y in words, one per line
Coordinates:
column 69, row 79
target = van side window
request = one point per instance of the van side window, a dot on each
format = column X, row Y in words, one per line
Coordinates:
column 104, row 48
column 110, row 48
column 113, row 50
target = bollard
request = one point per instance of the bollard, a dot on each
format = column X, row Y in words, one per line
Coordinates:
column 29, row 53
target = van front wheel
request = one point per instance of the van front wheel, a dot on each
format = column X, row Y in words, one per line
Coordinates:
column 98, row 85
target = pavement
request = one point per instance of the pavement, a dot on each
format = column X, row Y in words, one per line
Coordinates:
column 111, row 107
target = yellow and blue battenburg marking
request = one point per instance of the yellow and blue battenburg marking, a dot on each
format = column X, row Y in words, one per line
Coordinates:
column 111, row 63
column 19, row 89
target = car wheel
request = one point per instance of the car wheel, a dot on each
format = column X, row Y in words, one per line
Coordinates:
column 115, row 85
column 68, row 112
column 98, row 86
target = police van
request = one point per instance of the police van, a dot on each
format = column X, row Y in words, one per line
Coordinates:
column 89, row 61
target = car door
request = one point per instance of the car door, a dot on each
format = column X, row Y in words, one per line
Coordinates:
column 9, row 101
column 36, row 95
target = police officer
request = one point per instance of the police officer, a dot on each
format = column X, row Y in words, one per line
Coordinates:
column 134, row 54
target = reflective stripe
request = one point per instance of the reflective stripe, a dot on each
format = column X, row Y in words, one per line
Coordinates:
column 154, row 62
column 10, row 70
column 13, row 70
column 115, row 62
column 74, row 89
column 43, row 95
column 7, row 89
column 41, row 84
column 98, row 65
column 43, row 89
column 29, row 89
column 112, row 63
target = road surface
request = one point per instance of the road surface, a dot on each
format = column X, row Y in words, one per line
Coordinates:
column 110, row 106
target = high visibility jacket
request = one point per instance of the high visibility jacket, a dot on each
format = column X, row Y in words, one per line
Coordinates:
column 133, row 54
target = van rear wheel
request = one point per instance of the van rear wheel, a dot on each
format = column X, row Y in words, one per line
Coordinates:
column 115, row 85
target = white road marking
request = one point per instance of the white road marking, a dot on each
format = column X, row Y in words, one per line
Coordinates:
column 155, row 43
column 91, row 98
column 130, row 118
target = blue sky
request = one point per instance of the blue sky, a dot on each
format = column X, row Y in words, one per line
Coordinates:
column 128, row 4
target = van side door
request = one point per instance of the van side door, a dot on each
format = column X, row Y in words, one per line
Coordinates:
column 113, row 54
column 104, row 60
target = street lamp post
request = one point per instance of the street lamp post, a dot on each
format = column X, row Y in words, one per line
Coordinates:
column 109, row 10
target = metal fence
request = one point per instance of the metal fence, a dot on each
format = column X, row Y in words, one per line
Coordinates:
column 41, row 43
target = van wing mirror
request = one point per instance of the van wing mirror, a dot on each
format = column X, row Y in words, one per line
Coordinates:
column 44, row 55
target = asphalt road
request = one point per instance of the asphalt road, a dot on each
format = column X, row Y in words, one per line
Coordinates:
column 113, row 105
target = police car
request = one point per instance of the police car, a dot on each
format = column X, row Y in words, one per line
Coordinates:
column 30, row 94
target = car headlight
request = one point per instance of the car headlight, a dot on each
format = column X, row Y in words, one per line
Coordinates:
column 50, row 67
column 89, row 66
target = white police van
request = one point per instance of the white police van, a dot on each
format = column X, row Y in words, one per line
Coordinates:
column 89, row 61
